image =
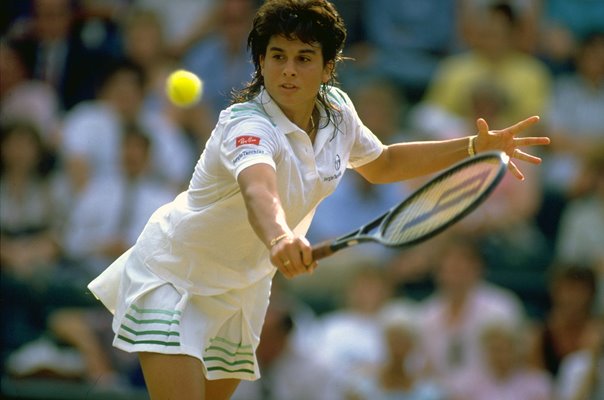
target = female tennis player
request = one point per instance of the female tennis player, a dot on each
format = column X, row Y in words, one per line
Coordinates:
column 190, row 296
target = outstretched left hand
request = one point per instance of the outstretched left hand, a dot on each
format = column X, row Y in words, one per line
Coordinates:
column 505, row 140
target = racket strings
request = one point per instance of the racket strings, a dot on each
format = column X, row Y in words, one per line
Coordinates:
column 438, row 204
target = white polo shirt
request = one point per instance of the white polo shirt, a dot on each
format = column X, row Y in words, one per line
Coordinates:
column 203, row 241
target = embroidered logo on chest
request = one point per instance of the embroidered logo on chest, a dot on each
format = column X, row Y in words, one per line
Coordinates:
column 246, row 139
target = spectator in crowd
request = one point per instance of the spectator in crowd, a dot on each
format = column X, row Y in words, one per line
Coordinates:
column 405, row 42
column 564, row 24
column 506, row 374
column 455, row 314
column 522, row 81
column 24, row 98
column 582, row 223
column 107, row 217
column 287, row 372
column 145, row 44
column 221, row 59
column 92, row 132
column 399, row 376
column 526, row 35
column 352, row 11
column 350, row 336
column 185, row 22
column 29, row 247
column 581, row 228
column 575, row 117
column 62, row 53
column 581, row 375
column 381, row 107
column 86, row 333
column 572, row 293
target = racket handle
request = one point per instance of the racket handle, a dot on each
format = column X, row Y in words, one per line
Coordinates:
column 322, row 250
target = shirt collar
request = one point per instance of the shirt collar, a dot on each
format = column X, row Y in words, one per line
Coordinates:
column 276, row 114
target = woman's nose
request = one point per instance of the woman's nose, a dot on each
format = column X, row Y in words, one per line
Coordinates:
column 289, row 69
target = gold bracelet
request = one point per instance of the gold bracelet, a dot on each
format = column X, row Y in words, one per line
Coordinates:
column 471, row 149
column 278, row 239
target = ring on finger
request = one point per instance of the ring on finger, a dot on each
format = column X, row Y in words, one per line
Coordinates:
column 286, row 263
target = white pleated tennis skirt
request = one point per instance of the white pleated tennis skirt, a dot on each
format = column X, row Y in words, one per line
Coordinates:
column 153, row 315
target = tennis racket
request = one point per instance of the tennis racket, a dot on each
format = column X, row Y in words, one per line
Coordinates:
column 438, row 204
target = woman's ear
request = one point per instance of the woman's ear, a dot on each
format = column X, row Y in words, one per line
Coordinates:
column 328, row 71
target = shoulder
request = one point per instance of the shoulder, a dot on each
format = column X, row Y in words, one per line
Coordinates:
column 89, row 110
column 245, row 123
column 497, row 299
column 459, row 62
column 249, row 112
column 338, row 97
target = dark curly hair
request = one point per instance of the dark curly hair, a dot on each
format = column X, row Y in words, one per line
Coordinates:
column 311, row 21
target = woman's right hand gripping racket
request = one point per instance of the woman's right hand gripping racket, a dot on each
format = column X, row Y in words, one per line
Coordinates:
column 438, row 204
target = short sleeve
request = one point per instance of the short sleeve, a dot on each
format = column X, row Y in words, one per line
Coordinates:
column 249, row 142
column 366, row 146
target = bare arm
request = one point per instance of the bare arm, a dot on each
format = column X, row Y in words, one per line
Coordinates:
column 410, row 160
column 291, row 254
column 403, row 161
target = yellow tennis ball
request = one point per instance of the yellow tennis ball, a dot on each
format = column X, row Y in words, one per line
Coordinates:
column 184, row 88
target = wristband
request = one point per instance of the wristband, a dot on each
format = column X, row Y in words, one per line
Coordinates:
column 471, row 149
column 278, row 239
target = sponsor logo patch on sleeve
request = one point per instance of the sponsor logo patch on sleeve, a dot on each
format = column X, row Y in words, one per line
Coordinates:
column 246, row 139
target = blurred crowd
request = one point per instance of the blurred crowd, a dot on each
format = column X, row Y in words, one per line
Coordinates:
column 509, row 303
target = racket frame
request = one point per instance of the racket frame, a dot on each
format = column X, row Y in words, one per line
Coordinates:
column 361, row 235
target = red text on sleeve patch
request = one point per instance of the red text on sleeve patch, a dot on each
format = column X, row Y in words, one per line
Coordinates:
column 246, row 139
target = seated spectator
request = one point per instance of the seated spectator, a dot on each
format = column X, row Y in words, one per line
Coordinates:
column 564, row 24
column 572, row 292
column 185, row 22
column 506, row 374
column 582, row 223
column 29, row 245
column 109, row 214
column 92, row 132
column 400, row 374
column 105, row 219
column 461, row 306
column 574, row 117
column 515, row 246
column 60, row 52
column 24, row 98
column 350, row 339
column 581, row 228
column 382, row 107
column 581, row 375
column 404, row 43
column 221, row 58
column 522, row 81
column 287, row 372
column 145, row 44
column 526, row 34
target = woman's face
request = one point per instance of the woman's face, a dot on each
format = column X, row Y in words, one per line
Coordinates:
column 293, row 72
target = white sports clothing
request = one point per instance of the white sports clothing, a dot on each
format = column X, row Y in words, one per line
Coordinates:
column 201, row 250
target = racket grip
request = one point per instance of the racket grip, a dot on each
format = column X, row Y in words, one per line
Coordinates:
column 322, row 250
